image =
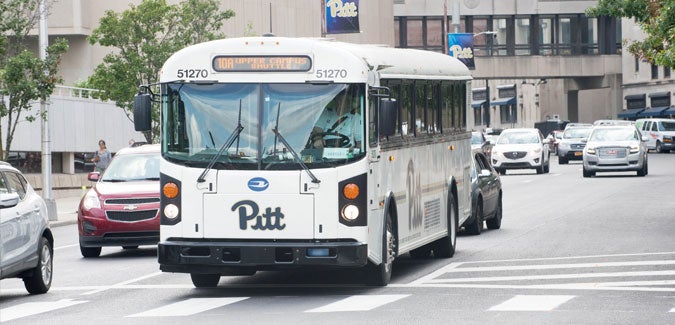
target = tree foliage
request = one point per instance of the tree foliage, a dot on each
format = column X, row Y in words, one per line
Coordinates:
column 144, row 37
column 24, row 78
column 657, row 20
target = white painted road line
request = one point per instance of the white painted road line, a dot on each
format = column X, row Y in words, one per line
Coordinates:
column 189, row 307
column 33, row 308
column 357, row 303
column 531, row 303
column 553, row 276
column 123, row 283
column 560, row 266
column 570, row 257
column 66, row 246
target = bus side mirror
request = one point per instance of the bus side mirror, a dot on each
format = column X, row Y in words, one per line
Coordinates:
column 387, row 116
column 142, row 112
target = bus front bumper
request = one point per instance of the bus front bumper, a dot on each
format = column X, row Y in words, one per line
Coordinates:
column 219, row 257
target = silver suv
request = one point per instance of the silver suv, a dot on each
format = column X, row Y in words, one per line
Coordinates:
column 571, row 146
column 26, row 242
column 615, row 148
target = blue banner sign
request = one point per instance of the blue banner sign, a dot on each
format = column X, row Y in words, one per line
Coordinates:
column 342, row 16
column 460, row 46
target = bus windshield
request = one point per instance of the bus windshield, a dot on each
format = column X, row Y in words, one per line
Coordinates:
column 322, row 123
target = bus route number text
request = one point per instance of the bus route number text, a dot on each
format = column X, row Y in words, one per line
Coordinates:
column 192, row 73
column 331, row 73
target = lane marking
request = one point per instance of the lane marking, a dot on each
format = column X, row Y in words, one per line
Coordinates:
column 123, row 283
column 553, row 276
column 357, row 303
column 531, row 303
column 33, row 308
column 189, row 307
column 559, row 266
column 66, row 246
column 568, row 286
column 435, row 274
column 570, row 257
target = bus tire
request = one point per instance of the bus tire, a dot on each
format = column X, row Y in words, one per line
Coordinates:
column 205, row 280
column 380, row 275
column 445, row 247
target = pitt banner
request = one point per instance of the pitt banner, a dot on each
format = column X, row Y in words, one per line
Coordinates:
column 460, row 46
column 342, row 16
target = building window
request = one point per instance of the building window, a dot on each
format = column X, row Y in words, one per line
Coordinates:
column 435, row 33
column 522, row 29
column 564, row 36
column 589, row 42
column 655, row 71
column 481, row 41
column 414, row 33
column 499, row 39
column 637, row 64
column 508, row 114
column 666, row 72
column 546, row 36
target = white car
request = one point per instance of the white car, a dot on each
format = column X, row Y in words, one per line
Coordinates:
column 522, row 148
column 26, row 242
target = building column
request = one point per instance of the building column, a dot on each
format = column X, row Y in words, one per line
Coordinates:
column 68, row 162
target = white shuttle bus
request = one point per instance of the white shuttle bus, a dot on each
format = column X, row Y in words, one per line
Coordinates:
column 290, row 152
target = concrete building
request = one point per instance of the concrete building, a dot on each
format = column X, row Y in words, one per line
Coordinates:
column 648, row 90
column 535, row 59
column 78, row 122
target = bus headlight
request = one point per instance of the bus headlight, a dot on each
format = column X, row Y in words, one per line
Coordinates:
column 171, row 211
column 350, row 212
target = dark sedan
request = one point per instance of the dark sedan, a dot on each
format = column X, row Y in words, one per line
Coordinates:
column 486, row 196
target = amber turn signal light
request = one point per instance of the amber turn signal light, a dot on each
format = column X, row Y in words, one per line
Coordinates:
column 350, row 191
column 170, row 190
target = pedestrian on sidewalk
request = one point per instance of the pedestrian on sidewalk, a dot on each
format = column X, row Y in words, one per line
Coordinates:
column 102, row 157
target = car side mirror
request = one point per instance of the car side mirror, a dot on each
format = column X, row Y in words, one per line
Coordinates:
column 584, row 140
column 8, row 200
column 484, row 173
column 94, row 176
column 488, row 142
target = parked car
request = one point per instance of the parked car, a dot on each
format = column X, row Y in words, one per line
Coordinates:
column 572, row 145
column 613, row 122
column 26, row 242
column 480, row 143
column 660, row 133
column 553, row 139
column 121, row 209
column 615, row 148
column 521, row 148
column 486, row 196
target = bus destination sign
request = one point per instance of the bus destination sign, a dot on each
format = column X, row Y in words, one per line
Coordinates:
column 239, row 63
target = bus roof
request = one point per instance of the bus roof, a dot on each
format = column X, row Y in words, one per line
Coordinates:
column 340, row 62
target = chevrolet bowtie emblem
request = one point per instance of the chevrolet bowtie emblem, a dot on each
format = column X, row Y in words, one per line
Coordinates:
column 130, row 207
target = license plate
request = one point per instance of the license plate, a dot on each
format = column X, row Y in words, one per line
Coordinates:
column 611, row 152
column 667, row 140
column 578, row 153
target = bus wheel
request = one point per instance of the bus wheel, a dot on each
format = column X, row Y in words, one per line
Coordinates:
column 445, row 247
column 205, row 280
column 380, row 275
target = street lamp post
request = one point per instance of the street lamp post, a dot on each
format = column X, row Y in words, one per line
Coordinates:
column 46, row 139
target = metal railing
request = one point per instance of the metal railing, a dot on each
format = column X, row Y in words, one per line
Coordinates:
column 77, row 92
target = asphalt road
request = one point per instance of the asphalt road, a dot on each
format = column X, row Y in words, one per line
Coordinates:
column 571, row 250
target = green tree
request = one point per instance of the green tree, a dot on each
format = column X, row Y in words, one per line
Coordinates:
column 657, row 20
column 24, row 78
column 144, row 37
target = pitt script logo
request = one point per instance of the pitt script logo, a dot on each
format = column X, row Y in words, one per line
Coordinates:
column 270, row 220
column 340, row 9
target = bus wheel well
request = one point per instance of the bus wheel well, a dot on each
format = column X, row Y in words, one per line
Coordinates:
column 391, row 209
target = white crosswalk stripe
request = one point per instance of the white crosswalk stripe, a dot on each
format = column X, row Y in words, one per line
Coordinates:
column 531, row 303
column 189, row 307
column 33, row 308
column 357, row 303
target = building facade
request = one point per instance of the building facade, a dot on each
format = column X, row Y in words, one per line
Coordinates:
column 535, row 59
column 648, row 89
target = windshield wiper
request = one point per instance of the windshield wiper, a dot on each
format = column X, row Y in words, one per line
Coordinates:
column 115, row 180
column 226, row 145
column 293, row 153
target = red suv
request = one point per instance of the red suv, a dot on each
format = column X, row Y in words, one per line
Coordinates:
column 121, row 209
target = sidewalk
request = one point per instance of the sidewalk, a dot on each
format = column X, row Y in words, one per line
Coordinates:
column 66, row 209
